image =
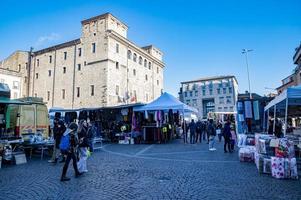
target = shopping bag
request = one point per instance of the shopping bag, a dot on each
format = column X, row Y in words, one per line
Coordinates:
column 80, row 165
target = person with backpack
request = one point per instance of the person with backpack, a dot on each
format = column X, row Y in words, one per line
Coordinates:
column 69, row 145
column 212, row 133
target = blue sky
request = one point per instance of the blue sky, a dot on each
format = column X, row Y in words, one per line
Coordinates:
column 198, row 38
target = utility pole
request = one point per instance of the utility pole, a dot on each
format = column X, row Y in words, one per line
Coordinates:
column 245, row 51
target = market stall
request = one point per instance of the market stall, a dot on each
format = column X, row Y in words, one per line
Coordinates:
column 159, row 119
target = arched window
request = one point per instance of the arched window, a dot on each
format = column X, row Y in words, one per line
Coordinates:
column 135, row 57
column 145, row 63
column 149, row 65
column 129, row 54
column 140, row 60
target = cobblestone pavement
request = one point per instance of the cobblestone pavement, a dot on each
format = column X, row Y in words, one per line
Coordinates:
column 163, row 171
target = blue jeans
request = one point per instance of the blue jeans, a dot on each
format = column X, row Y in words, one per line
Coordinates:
column 211, row 141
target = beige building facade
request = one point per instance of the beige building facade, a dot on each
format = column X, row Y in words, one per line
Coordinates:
column 101, row 68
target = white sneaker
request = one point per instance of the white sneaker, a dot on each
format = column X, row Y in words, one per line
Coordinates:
column 213, row 149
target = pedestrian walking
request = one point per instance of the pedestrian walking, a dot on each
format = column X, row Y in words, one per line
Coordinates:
column 83, row 147
column 192, row 129
column 233, row 138
column 184, row 127
column 91, row 133
column 219, row 131
column 198, row 131
column 58, row 129
column 211, row 131
column 227, row 137
column 69, row 144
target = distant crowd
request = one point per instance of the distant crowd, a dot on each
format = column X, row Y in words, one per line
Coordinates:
column 207, row 131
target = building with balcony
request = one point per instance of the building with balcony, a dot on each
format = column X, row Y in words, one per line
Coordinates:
column 294, row 78
column 211, row 94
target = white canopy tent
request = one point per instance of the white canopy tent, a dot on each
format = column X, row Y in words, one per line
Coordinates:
column 166, row 102
column 290, row 97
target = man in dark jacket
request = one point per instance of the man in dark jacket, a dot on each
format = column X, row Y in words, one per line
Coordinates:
column 58, row 130
column 227, row 137
column 198, row 131
column 211, row 131
column 192, row 129
column 71, row 152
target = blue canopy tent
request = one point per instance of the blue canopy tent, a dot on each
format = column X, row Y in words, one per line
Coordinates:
column 289, row 97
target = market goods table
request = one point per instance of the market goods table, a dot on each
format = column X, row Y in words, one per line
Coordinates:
column 159, row 171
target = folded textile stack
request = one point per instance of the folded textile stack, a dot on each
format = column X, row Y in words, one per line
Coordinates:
column 284, row 168
column 285, row 149
column 246, row 154
column 263, row 163
column 263, row 146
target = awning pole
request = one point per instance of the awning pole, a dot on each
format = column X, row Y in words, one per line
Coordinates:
column 285, row 120
column 268, row 120
column 263, row 123
column 184, row 125
column 274, row 125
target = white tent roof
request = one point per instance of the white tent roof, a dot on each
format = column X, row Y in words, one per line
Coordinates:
column 289, row 93
column 165, row 102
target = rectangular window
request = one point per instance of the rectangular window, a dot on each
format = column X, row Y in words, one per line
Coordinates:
column 146, row 77
column 38, row 62
column 187, row 102
column 194, row 102
column 157, row 70
column 79, row 67
column 185, row 93
column 190, row 93
column 93, row 47
column 49, row 72
column 218, row 91
column 65, row 55
column 63, row 93
column 229, row 100
column 79, row 52
column 25, row 79
column 224, row 90
column 196, row 93
column 134, row 72
column 157, row 82
column 78, row 91
column 230, row 90
column 117, row 65
column 221, row 100
column 117, row 48
column 48, row 95
column 64, row 70
column 210, row 91
column 50, row 59
column 37, row 75
column 204, row 92
column 92, row 90
column 15, row 85
column 117, row 90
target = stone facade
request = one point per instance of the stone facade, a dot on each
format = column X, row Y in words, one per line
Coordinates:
column 101, row 68
column 14, row 72
column 212, row 94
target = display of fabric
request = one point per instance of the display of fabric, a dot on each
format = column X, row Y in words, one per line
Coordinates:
column 285, row 149
column 267, row 166
column 277, row 167
column 246, row 154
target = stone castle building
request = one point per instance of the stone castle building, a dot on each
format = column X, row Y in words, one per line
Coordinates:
column 101, row 68
column 210, row 94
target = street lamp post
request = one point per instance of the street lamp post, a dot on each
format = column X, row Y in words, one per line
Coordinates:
column 245, row 51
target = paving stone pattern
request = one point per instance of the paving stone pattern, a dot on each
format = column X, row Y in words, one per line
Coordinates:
column 160, row 171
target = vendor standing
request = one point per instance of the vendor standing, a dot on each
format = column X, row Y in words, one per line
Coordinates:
column 58, row 130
